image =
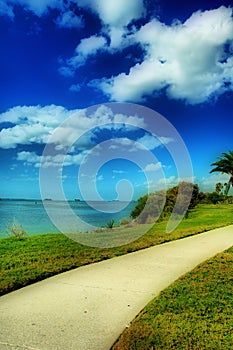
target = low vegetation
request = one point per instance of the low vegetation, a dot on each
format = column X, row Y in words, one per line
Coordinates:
column 30, row 259
column 15, row 230
column 110, row 223
column 160, row 204
column 194, row 313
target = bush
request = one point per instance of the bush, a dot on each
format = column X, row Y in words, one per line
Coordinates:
column 16, row 230
column 160, row 204
column 110, row 223
column 139, row 207
column 214, row 198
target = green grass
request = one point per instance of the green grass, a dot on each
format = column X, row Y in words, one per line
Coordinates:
column 30, row 259
column 194, row 313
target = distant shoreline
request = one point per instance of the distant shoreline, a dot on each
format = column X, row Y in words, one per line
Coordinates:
column 61, row 200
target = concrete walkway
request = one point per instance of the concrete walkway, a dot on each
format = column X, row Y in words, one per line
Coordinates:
column 89, row 307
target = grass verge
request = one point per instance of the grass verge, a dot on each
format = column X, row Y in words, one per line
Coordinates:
column 27, row 260
column 194, row 313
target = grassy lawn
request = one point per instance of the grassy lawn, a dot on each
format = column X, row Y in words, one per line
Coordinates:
column 30, row 259
column 194, row 313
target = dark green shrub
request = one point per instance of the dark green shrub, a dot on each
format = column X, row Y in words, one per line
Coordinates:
column 159, row 205
column 110, row 223
column 139, row 207
column 214, row 198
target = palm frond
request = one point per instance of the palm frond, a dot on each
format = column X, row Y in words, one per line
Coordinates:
column 224, row 164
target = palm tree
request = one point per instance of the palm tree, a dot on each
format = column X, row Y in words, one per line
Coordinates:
column 225, row 166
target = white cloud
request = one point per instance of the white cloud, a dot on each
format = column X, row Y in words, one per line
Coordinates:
column 146, row 142
column 168, row 182
column 11, row 137
column 100, row 178
column 116, row 121
column 38, row 7
column 75, row 87
column 151, row 142
column 90, row 45
column 87, row 47
column 117, row 39
column 189, row 61
column 66, row 71
column 127, row 145
column 51, row 115
column 68, row 19
column 36, row 124
column 184, row 59
column 153, row 167
column 115, row 16
column 6, row 9
column 160, row 183
column 31, row 124
column 119, row 171
column 115, row 13
column 29, row 157
column 50, row 160
column 41, row 7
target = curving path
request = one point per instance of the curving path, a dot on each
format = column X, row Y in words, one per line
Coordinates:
column 88, row 308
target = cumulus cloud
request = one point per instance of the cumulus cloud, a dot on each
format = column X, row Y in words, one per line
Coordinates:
column 87, row 47
column 75, row 87
column 115, row 16
column 31, row 124
column 51, row 115
column 35, row 124
column 168, row 182
column 6, row 9
column 49, row 160
column 147, row 142
column 66, row 19
column 151, row 142
column 115, row 13
column 90, row 45
column 39, row 8
column 189, row 60
column 69, row 134
column 29, row 157
column 153, row 167
column 119, row 171
column 69, row 19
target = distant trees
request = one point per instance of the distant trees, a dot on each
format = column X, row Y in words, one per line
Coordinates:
column 213, row 198
column 219, row 187
column 222, row 189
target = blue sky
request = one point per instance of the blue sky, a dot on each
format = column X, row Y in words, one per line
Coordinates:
column 60, row 58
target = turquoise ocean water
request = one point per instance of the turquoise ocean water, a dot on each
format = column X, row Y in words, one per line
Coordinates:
column 32, row 216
